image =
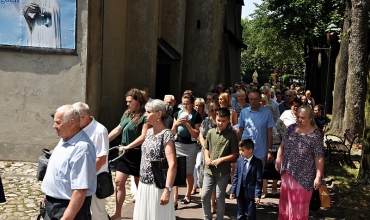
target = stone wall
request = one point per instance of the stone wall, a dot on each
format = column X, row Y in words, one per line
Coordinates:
column 32, row 86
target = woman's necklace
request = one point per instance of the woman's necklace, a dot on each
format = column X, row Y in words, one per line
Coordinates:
column 132, row 115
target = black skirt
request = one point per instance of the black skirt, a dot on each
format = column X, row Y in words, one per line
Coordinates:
column 130, row 163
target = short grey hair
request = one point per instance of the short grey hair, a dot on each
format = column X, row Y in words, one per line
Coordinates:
column 82, row 108
column 290, row 91
column 157, row 105
column 69, row 113
column 265, row 88
column 169, row 96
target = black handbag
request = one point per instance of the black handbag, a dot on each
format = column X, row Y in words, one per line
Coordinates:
column 160, row 168
column 315, row 202
column 43, row 164
column 104, row 186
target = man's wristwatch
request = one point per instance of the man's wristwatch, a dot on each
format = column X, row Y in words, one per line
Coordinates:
column 168, row 188
column 270, row 150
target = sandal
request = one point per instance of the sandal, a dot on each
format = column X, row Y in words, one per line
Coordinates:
column 185, row 201
column 214, row 211
column 194, row 191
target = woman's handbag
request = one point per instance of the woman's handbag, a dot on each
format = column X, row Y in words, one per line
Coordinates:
column 315, row 202
column 324, row 196
column 104, row 184
column 43, row 164
column 160, row 168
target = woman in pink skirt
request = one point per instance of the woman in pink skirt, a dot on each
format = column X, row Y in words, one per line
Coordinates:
column 300, row 160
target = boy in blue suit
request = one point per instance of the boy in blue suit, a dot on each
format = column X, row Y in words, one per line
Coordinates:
column 247, row 181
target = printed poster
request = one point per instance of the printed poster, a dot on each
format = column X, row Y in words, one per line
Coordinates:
column 38, row 23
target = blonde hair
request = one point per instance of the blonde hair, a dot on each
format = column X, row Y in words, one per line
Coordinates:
column 226, row 96
column 201, row 102
column 240, row 92
column 264, row 98
column 311, row 114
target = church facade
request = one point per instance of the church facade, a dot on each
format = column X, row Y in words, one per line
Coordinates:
column 165, row 45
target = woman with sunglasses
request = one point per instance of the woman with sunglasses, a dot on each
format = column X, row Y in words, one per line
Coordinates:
column 186, row 123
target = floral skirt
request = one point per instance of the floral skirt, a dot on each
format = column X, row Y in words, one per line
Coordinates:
column 294, row 200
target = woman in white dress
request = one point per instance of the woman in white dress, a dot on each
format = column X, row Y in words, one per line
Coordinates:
column 153, row 203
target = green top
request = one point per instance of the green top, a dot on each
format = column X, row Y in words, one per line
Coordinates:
column 182, row 131
column 129, row 131
column 220, row 144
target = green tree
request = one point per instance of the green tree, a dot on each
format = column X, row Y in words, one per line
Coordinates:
column 336, row 125
column 357, row 67
column 267, row 50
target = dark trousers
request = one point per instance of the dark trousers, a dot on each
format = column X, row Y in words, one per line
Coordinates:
column 55, row 208
column 246, row 207
column 2, row 194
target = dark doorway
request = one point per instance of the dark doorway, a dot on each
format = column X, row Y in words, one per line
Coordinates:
column 162, row 80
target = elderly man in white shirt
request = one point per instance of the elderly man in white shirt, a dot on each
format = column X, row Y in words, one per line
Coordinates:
column 99, row 136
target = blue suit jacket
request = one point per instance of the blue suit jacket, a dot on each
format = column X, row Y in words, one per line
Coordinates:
column 253, row 178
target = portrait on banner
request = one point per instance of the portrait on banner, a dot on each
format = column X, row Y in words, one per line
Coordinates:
column 42, row 24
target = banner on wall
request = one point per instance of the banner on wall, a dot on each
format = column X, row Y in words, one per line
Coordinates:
column 48, row 24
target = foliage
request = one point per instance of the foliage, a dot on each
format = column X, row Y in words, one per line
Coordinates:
column 266, row 50
column 308, row 18
column 285, row 79
column 282, row 31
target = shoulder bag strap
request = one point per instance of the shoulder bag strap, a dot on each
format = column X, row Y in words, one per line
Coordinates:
column 161, row 150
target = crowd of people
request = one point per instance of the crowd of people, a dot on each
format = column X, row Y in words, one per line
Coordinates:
column 242, row 135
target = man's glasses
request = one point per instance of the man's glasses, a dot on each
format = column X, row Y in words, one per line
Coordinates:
column 185, row 104
column 219, row 87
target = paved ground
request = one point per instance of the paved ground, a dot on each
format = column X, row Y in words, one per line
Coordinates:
column 23, row 195
column 267, row 210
